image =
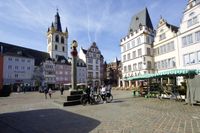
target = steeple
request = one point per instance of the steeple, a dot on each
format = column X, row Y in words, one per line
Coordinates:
column 57, row 24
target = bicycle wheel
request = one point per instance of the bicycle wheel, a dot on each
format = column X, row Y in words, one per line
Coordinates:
column 109, row 98
column 83, row 101
column 98, row 98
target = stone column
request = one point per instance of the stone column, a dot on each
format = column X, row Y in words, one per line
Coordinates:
column 74, row 54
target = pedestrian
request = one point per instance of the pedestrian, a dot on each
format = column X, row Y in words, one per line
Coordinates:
column 50, row 93
column 88, row 92
column 61, row 90
column 45, row 92
column 103, row 93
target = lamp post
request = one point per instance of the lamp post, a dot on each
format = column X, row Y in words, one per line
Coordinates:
column 74, row 54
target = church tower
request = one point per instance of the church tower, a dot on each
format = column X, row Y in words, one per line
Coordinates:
column 57, row 40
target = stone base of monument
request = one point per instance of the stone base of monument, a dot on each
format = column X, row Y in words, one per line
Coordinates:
column 72, row 99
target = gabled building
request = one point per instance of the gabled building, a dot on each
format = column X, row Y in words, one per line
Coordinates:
column 137, row 48
column 93, row 59
column 189, row 36
column 166, row 47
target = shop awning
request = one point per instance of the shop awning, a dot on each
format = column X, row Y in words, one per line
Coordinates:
column 140, row 77
column 174, row 72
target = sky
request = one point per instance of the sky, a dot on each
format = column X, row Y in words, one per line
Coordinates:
column 25, row 22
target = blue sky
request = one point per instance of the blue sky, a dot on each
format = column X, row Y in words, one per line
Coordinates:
column 25, row 22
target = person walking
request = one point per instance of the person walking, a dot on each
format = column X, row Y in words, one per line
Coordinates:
column 50, row 93
column 45, row 92
column 61, row 90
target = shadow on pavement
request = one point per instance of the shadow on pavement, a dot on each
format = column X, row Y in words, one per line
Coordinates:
column 46, row 121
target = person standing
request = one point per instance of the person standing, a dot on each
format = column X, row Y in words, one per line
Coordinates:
column 103, row 93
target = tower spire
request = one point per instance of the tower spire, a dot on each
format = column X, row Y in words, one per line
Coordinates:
column 57, row 23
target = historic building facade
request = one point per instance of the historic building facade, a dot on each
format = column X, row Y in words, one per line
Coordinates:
column 189, row 36
column 166, row 46
column 92, row 57
column 137, row 47
column 173, row 47
column 113, row 73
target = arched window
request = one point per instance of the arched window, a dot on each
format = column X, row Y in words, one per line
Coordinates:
column 62, row 40
column 56, row 47
column 57, row 38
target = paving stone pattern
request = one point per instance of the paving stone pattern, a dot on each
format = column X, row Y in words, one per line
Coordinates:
column 126, row 114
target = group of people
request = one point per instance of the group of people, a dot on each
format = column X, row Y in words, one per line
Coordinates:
column 102, row 90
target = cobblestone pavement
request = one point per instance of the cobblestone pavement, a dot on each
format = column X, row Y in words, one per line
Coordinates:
column 124, row 115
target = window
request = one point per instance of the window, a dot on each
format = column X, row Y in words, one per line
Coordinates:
column 133, row 43
column 62, row 40
column 135, row 66
column 10, row 59
column 28, row 61
column 147, row 39
column 56, row 47
column 90, row 60
column 192, row 21
column 138, row 40
column 9, row 67
column 162, row 36
column 125, row 69
column 22, row 68
column 173, row 62
column 16, row 75
column 155, row 65
column 129, row 68
column 63, row 48
column 192, row 58
column 23, row 60
column 124, row 48
column 129, row 56
column 197, row 36
column 148, row 51
column 90, row 67
column 198, row 56
column 97, row 68
column 128, row 46
column 139, row 52
column 16, row 67
column 16, row 59
column 97, row 75
column 57, row 38
column 124, row 57
column 187, row 40
column 158, row 64
column 134, row 54
column 97, row 61
column 148, row 64
column 140, row 65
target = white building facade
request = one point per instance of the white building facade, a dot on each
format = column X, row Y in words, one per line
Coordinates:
column 189, row 36
column 136, row 48
column 165, row 46
column 18, row 69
